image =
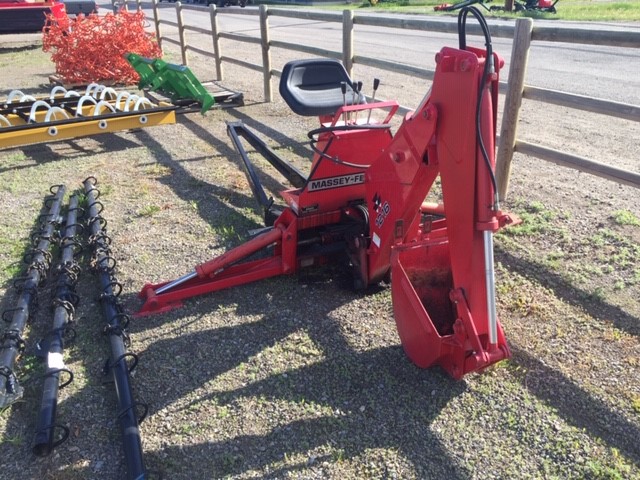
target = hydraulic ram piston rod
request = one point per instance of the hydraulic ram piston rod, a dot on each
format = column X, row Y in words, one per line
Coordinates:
column 490, row 278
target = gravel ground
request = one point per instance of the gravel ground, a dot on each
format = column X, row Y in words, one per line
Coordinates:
column 299, row 377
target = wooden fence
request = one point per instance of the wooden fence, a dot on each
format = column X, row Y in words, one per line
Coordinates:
column 523, row 33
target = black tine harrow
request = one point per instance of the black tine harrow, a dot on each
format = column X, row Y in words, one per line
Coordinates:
column 121, row 363
column 52, row 345
column 39, row 260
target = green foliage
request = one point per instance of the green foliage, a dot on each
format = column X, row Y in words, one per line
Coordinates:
column 580, row 10
column 536, row 219
column 625, row 217
column 149, row 210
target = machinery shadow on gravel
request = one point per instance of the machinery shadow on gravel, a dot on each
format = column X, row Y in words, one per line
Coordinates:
column 378, row 399
column 42, row 153
column 269, row 182
column 569, row 293
column 209, row 204
column 578, row 407
column 300, row 149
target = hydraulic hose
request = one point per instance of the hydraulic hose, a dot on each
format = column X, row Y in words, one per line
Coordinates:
column 489, row 68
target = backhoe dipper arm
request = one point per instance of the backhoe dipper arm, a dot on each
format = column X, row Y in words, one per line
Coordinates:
column 442, row 271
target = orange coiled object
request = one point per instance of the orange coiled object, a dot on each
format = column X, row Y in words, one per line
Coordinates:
column 91, row 48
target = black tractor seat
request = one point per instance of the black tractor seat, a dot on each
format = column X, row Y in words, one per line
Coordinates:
column 312, row 87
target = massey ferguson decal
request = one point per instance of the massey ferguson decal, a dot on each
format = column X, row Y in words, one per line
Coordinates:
column 335, row 182
column 381, row 208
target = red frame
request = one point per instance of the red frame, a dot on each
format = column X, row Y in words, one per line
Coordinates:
column 447, row 323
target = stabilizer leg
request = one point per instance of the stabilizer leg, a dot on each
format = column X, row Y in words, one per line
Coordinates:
column 228, row 270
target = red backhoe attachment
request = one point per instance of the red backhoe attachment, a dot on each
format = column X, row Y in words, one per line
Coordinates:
column 365, row 195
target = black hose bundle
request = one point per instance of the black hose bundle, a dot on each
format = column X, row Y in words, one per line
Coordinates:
column 103, row 263
column 39, row 261
column 489, row 67
column 52, row 346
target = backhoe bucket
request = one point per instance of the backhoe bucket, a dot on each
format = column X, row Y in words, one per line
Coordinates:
column 432, row 316
column 420, row 290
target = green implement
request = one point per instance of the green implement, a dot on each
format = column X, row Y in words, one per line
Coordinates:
column 175, row 81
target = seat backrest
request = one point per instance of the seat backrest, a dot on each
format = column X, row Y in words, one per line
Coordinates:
column 312, row 87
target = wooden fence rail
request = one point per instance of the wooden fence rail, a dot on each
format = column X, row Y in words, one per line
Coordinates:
column 523, row 33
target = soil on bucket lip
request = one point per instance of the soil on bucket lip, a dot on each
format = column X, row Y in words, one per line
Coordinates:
column 298, row 377
column 432, row 288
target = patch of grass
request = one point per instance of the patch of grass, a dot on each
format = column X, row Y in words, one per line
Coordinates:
column 615, row 249
column 600, row 471
column 149, row 210
column 23, row 57
column 12, row 185
column 106, row 189
column 157, row 170
column 624, row 10
column 227, row 233
column 14, row 158
column 626, row 217
column 15, row 440
column 580, row 10
column 555, row 260
column 536, row 219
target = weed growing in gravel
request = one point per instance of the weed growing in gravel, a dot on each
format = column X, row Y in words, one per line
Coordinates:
column 30, row 365
column 13, row 159
column 106, row 190
column 14, row 248
column 227, row 233
column 536, row 219
column 615, row 249
column 626, row 217
column 619, row 471
column 148, row 210
column 157, row 170
column 15, row 440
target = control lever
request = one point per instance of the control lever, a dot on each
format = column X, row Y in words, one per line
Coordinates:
column 376, row 84
column 343, row 89
column 358, row 98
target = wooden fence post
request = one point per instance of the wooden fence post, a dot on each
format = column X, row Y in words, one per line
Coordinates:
column 266, row 52
column 216, row 40
column 512, row 103
column 347, row 40
column 183, row 40
column 156, row 21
